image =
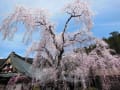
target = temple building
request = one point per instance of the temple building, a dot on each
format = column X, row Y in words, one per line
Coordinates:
column 12, row 66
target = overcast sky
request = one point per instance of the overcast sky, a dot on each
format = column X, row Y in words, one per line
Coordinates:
column 106, row 19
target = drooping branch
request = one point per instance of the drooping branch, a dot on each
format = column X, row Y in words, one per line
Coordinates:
column 53, row 37
column 49, row 28
column 49, row 55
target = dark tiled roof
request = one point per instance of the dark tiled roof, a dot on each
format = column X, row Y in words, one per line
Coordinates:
column 29, row 60
column 22, row 64
column 2, row 61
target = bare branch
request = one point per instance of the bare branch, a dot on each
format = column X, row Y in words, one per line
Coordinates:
column 66, row 25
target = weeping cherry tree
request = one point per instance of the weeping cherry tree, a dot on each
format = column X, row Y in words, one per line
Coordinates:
column 61, row 56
